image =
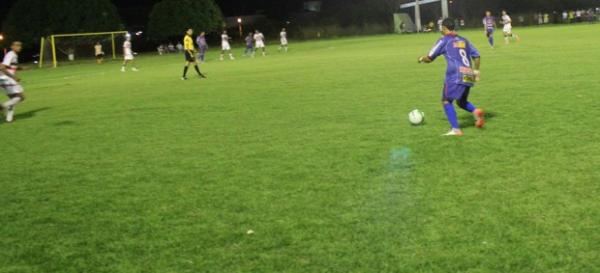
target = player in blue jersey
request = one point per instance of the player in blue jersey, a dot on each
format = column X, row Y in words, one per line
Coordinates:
column 463, row 71
column 489, row 24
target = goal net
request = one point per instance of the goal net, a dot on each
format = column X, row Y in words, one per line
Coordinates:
column 78, row 47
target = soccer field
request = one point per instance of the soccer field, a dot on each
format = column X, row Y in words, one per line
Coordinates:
column 141, row 172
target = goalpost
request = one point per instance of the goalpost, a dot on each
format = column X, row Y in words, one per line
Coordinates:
column 49, row 45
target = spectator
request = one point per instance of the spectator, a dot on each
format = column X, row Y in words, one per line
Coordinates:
column 540, row 18
column 179, row 47
column 571, row 16
column 578, row 15
column 546, row 18
column 161, row 50
column 171, row 48
column 521, row 19
column 565, row 17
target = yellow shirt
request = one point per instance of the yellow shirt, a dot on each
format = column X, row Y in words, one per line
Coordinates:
column 188, row 43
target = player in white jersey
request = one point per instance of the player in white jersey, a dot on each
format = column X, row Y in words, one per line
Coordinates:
column 128, row 54
column 507, row 22
column 225, row 46
column 284, row 40
column 10, row 82
column 259, row 40
column 98, row 53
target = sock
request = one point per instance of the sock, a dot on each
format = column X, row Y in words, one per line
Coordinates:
column 468, row 106
column 451, row 115
column 197, row 70
column 185, row 70
column 11, row 102
column 491, row 40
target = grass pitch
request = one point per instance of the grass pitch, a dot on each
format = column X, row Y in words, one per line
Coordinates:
column 141, row 172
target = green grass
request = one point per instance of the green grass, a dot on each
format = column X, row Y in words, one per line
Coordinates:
column 106, row 171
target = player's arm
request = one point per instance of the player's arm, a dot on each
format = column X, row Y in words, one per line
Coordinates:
column 436, row 51
column 425, row 60
column 476, row 66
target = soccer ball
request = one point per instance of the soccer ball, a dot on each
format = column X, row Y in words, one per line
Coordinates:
column 416, row 117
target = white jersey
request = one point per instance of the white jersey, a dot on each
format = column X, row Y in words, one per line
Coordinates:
column 11, row 61
column 127, row 52
column 260, row 40
column 10, row 86
column 507, row 21
column 283, row 36
column 98, row 50
column 225, row 46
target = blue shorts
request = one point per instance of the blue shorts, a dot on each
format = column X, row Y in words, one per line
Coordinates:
column 490, row 32
column 454, row 92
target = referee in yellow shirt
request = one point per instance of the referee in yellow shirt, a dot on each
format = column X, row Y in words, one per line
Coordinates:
column 190, row 54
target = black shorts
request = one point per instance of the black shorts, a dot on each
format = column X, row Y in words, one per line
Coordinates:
column 189, row 57
column 100, row 56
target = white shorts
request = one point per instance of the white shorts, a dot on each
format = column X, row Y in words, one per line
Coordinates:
column 284, row 41
column 128, row 57
column 225, row 46
column 260, row 44
column 10, row 86
column 507, row 28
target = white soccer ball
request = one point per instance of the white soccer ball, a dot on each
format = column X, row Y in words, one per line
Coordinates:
column 416, row 117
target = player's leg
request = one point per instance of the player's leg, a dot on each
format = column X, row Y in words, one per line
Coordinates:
column 452, row 119
column 185, row 70
column 133, row 67
column 231, row 55
column 490, row 35
column 515, row 37
column 202, row 54
column 478, row 113
column 124, row 65
column 197, row 68
column 506, row 38
column 222, row 55
column 449, row 94
column 15, row 95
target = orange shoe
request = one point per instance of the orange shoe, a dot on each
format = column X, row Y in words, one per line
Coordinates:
column 479, row 118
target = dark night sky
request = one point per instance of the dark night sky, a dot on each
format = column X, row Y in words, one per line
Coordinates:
column 135, row 12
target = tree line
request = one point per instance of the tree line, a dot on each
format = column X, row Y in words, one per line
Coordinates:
column 29, row 20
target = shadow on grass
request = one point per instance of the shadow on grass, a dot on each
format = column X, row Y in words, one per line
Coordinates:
column 64, row 123
column 31, row 114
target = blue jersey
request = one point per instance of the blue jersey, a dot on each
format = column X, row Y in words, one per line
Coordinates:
column 249, row 41
column 489, row 22
column 458, row 52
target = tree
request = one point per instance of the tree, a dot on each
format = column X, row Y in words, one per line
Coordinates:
column 173, row 17
column 28, row 20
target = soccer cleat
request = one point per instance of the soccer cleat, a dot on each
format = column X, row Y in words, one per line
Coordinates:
column 454, row 132
column 134, row 69
column 479, row 118
column 184, row 78
column 202, row 76
column 122, row 69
